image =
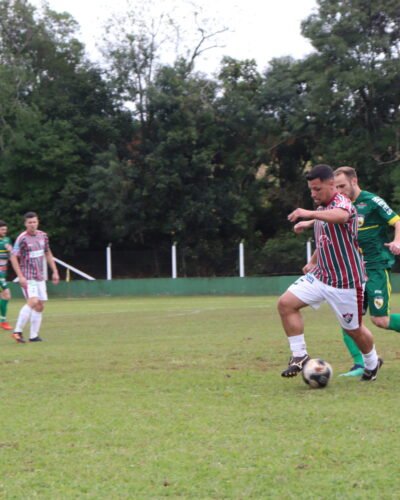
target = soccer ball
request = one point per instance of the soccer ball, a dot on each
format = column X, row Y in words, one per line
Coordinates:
column 317, row 373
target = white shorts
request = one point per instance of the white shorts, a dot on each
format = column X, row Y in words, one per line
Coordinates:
column 346, row 303
column 35, row 289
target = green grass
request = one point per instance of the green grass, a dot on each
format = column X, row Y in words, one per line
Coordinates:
column 181, row 398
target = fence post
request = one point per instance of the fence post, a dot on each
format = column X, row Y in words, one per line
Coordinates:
column 173, row 261
column 108, row 259
column 241, row 260
column 309, row 252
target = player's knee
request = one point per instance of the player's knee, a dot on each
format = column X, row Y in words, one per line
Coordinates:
column 39, row 307
column 284, row 304
column 380, row 321
column 33, row 302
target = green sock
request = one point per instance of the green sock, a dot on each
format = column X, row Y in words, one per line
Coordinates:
column 353, row 349
column 3, row 310
column 394, row 322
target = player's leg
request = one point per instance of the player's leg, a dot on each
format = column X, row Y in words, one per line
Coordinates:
column 5, row 296
column 358, row 363
column 36, row 315
column 36, row 321
column 380, row 301
column 302, row 293
column 31, row 295
column 347, row 305
column 365, row 342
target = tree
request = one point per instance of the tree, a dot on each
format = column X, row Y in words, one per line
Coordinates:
column 59, row 116
column 353, row 79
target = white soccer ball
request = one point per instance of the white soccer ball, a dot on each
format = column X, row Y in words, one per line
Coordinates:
column 317, row 373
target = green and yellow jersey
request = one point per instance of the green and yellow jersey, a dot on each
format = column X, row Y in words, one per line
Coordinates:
column 4, row 255
column 374, row 218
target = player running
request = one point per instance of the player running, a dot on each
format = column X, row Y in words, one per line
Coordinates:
column 374, row 219
column 27, row 259
column 334, row 274
column 5, row 294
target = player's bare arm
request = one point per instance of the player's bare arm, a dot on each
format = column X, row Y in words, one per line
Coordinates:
column 394, row 246
column 50, row 260
column 18, row 272
column 310, row 264
column 333, row 216
column 303, row 225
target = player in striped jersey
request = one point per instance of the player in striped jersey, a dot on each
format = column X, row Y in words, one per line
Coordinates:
column 378, row 249
column 27, row 259
column 5, row 294
column 335, row 274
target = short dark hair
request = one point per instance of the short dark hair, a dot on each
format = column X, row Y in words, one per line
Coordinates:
column 322, row 172
column 30, row 215
column 2, row 223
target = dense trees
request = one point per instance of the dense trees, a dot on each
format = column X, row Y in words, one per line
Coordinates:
column 141, row 153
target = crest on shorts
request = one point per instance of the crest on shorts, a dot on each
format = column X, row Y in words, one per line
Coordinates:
column 378, row 302
column 348, row 317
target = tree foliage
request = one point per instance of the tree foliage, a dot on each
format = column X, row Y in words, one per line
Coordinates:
column 142, row 153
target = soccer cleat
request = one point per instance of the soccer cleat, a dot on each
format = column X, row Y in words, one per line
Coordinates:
column 36, row 339
column 6, row 326
column 18, row 337
column 371, row 374
column 355, row 371
column 295, row 366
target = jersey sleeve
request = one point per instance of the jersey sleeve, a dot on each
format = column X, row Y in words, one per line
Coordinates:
column 344, row 203
column 19, row 248
column 384, row 211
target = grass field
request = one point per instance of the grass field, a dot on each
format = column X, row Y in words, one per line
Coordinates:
column 181, row 398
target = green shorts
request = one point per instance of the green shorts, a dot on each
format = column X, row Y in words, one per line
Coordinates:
column 377, row 292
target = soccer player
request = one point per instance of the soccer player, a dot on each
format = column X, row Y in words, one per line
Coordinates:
column 27, row 259
column 5, row 294
column 378, row 249
column 334, row 274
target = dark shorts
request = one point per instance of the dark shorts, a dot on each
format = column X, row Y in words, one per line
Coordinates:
column 377, row 293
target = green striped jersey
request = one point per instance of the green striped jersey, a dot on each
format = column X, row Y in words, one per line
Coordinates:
column 374, row 218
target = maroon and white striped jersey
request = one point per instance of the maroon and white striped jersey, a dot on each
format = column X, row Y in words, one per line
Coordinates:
column 339, row 262
column 30, row 249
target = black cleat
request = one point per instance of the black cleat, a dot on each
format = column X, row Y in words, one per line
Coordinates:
column 371, row 374
column 36, row 339
column 18, row 337
column 296, row 365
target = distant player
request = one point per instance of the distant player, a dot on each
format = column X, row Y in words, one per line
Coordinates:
column 27, row 259
column 334, row 274
column 375, row 218
column 5, row 294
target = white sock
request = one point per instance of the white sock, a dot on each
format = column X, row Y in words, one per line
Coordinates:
column 23, row 316
column 297, row 345
column 370, row 359
column 36, row 320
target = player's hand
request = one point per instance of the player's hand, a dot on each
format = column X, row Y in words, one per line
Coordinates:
column 55, row 279
column 301, row 226
column 393, row 247
column 299, row 213
column 307, row 268
column 23, row 282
